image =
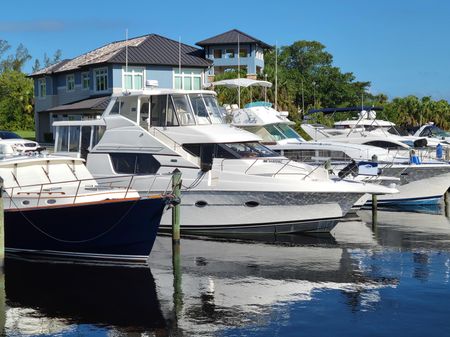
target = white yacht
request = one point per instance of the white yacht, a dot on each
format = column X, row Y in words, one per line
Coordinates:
column 367, row 129
column 425, row 183
column 231, row 183
column 54, row 207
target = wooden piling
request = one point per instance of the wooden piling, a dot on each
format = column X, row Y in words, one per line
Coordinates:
column 2, row 227
column 374, row 210
column 176, row 187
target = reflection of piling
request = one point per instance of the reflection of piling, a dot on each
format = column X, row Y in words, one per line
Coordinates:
column 374, row 200
column 2, row 227
column 176, row 259
column 447, row 203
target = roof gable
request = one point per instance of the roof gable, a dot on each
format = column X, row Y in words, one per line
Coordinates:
column 231, row 37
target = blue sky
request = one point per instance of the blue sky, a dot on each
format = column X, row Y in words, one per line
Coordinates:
column 401, row 46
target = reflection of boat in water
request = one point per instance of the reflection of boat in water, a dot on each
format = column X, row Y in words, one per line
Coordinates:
column 223, row 284
column 48, row 298
column 406, row 230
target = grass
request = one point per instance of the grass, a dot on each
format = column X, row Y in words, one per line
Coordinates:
column 27, row 134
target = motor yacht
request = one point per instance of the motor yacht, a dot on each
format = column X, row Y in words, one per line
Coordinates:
column 231, row 183
column 425, row 183
column 54, row 207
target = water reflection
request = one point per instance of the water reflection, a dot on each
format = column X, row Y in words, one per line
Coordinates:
column 275, row 284
column 56, row 298
column 239, row 284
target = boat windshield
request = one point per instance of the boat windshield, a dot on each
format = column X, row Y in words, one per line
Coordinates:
column 249, row 150
column 206, row 109
column 289, row 132
column 233, row 150
column 183, row 110
column 438, row 132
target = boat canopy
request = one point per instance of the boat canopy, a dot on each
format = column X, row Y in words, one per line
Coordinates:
column 242, row 82
column 348, row 109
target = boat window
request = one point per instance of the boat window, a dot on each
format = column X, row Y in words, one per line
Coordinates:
column 249, row 150
column 63, row 139
column 74, row 139
column 97, row 134
column 171, row 115
column 134, row 163
column 183, row 110
column 384, row 144
column 158, row 110
column 127, row 107
column 311, row 155
column 200, row 110
column 274, row 132
column 215, row 112
column 289, row 132
column 234, row 150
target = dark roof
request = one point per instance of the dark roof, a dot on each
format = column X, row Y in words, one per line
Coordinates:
column 95, row 104
column 149, row 49
column 156, row 49
column 232, row 37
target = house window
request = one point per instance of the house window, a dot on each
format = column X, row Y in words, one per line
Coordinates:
column 243, row 52
column 42, row 88
column 133, row 79
column 85, row 81
column 229, row 53
column 101, row 79
column 189, row 79
column 70, row 82
column 217, row 53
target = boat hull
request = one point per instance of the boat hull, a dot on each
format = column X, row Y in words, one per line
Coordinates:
column 233, row 212
column 111, row 230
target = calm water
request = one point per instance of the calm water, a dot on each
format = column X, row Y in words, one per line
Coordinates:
column 393, row 280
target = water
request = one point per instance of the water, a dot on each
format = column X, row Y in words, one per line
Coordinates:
column 392, row 280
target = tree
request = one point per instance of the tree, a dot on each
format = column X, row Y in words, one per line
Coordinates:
column 16, row 97
column 14, row 62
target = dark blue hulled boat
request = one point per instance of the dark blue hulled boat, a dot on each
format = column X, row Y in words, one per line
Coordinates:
column 119, row 229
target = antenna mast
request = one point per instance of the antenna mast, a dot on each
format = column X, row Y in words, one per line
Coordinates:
column 239, row 73
column 276, row 75
column 126, row 50
column 179, row 62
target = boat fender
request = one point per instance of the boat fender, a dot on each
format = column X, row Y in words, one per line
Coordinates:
column 351, row 168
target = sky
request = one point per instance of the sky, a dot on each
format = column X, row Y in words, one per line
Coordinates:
column 401, row 46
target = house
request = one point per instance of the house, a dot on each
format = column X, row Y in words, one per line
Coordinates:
column 80, row 88
column 234, row 49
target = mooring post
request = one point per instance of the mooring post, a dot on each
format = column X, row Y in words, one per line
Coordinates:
column 374, row 200
column 2, row 227
column 374, row 210
column 2, row 263
column 176, row 258
column 176, row 187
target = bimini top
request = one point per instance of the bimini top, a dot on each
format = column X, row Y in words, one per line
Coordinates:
column 242, row 82
column 348, row 109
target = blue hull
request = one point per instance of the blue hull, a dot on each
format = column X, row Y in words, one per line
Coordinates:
column 435, row 200
column 118, row 230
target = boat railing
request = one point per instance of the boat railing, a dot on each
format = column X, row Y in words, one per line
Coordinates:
column 118, row 186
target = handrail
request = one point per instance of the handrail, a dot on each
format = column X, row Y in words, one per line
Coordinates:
column 77, row 194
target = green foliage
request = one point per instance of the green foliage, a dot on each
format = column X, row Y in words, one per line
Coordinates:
column 16, row 98
column 413, row 111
